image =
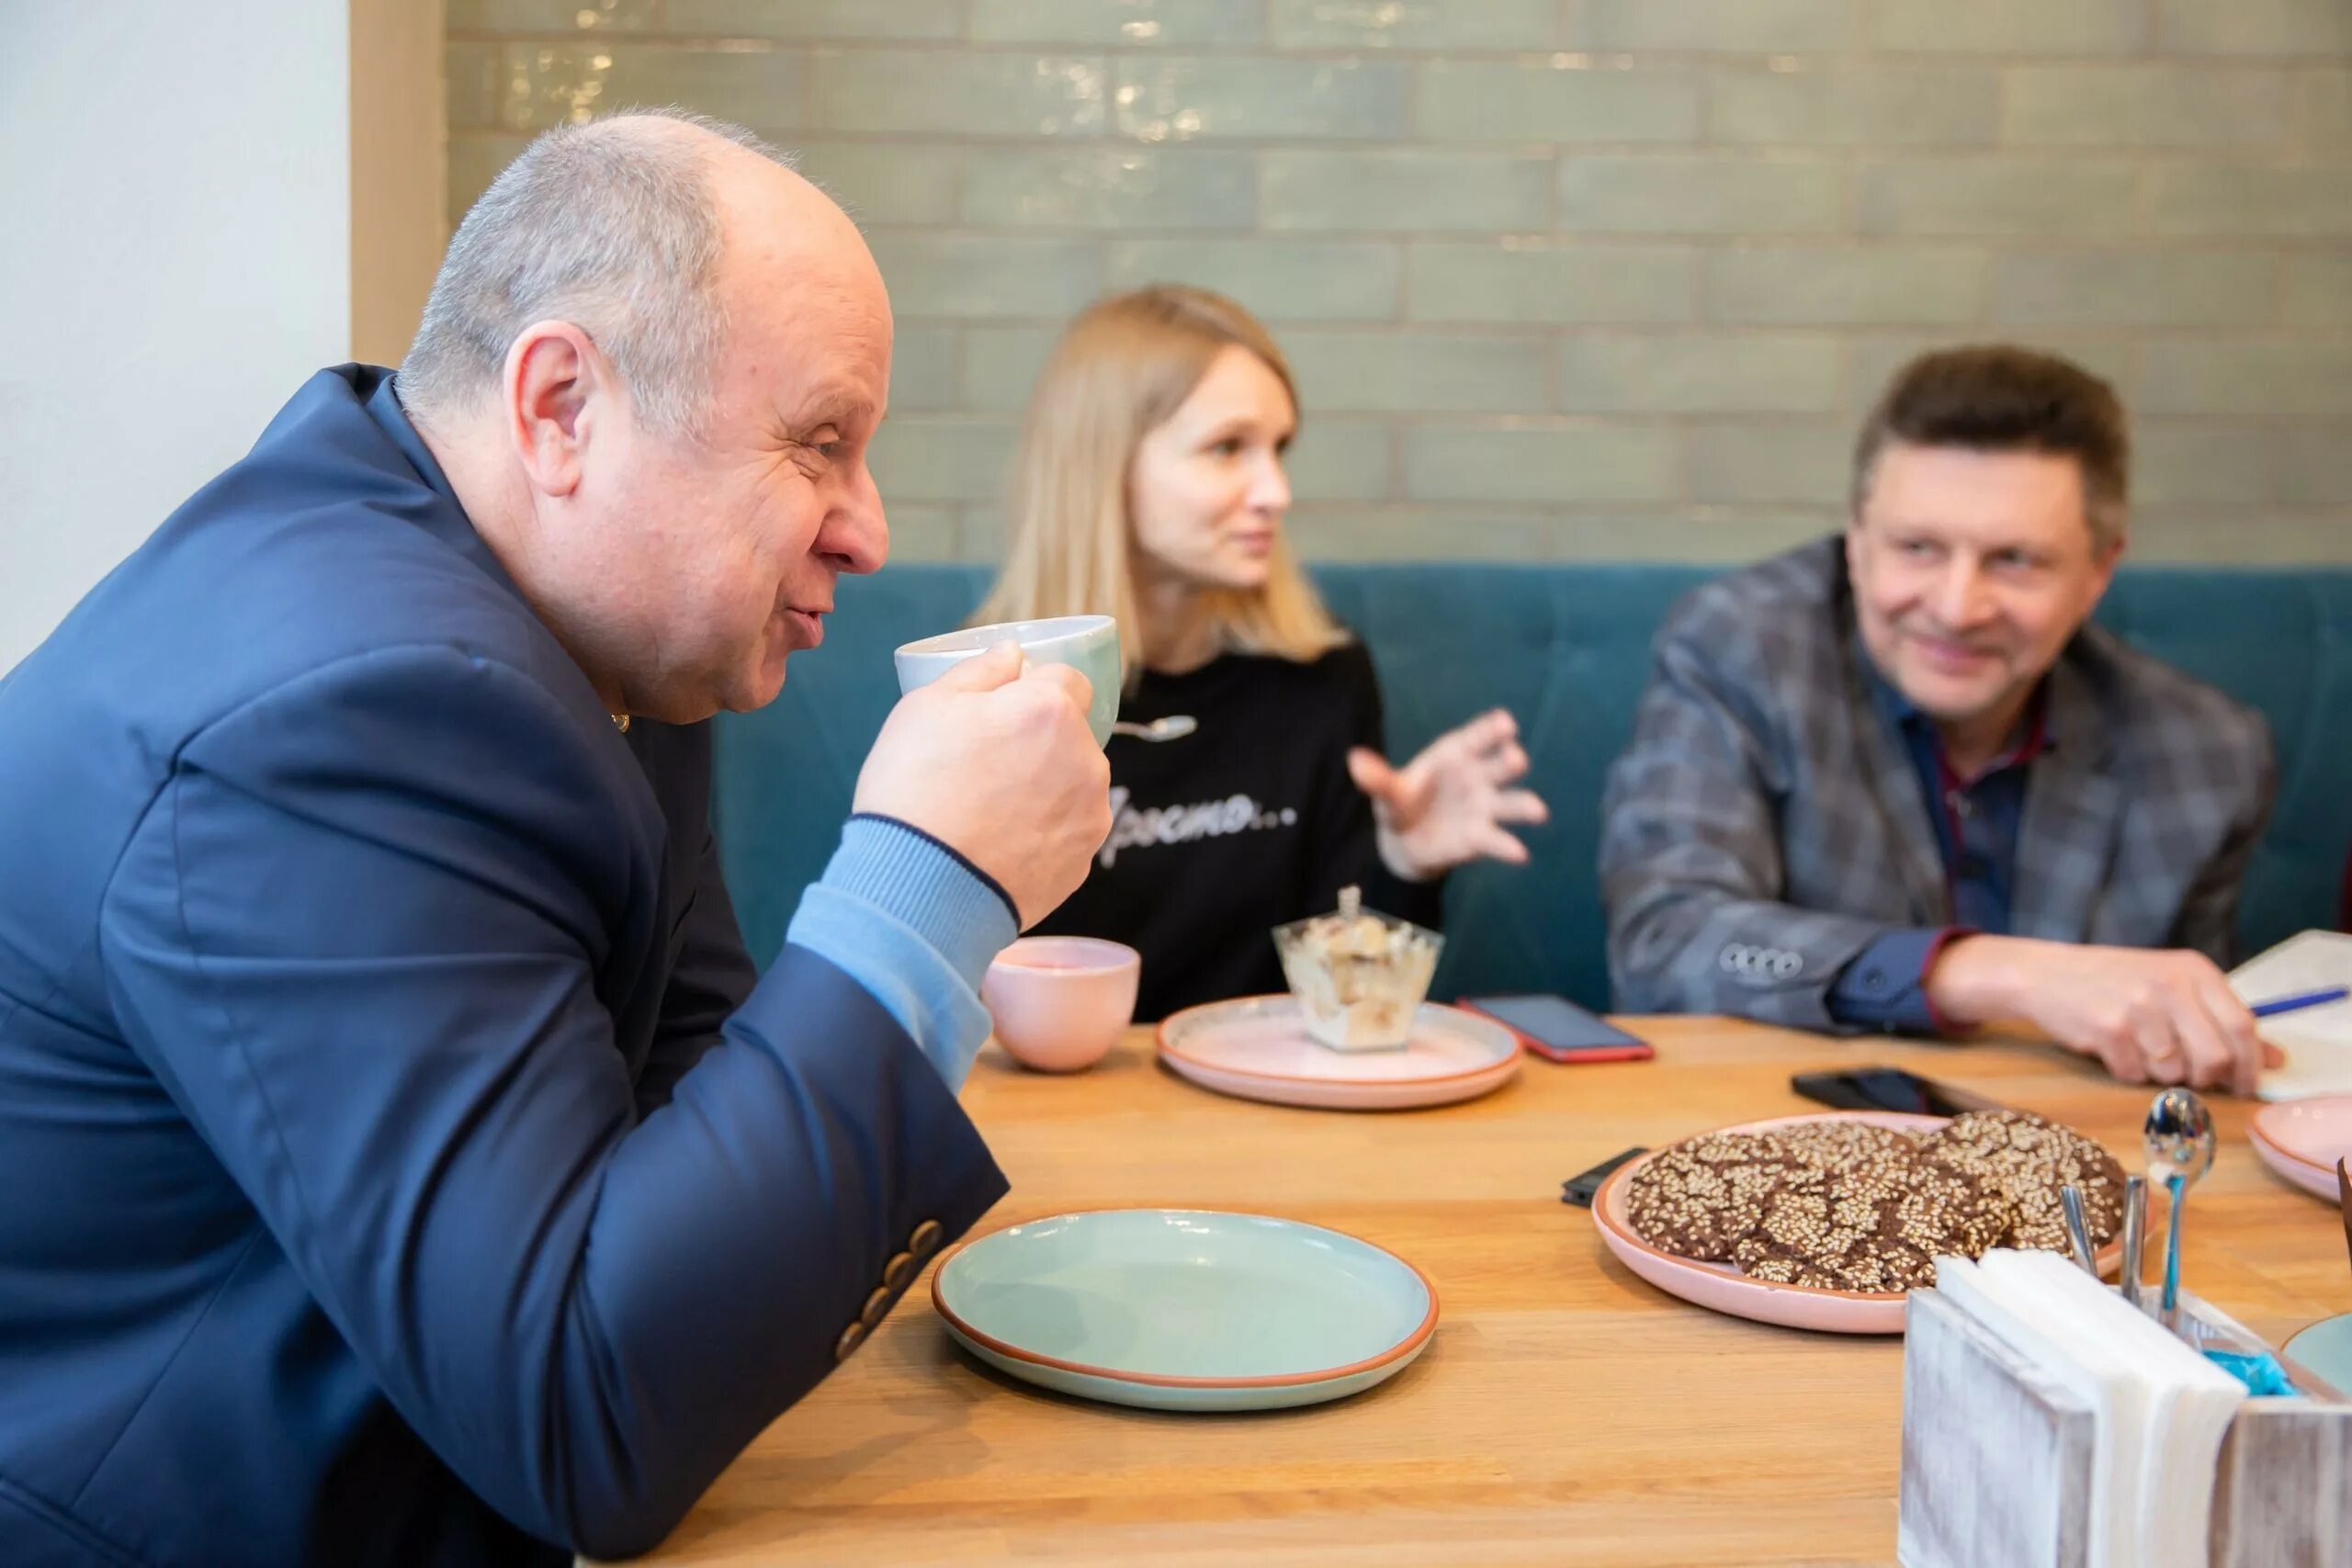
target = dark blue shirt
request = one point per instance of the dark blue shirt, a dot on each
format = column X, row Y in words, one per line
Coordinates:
column 1976, row 821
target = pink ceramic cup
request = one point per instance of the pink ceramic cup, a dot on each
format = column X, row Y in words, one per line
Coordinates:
column 1060, row 1001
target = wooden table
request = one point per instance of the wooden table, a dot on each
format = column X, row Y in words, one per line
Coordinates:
column 1565, row 1412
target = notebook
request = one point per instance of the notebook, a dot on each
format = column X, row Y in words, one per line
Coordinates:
column 2318, row 1040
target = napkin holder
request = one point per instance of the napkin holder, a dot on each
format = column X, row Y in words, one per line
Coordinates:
column 1997, row 1460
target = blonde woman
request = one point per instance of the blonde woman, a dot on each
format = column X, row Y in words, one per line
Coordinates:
column 1248, row 783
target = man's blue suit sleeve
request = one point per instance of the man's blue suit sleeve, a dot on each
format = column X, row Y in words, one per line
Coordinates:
column 710, row 979
column 369, row 935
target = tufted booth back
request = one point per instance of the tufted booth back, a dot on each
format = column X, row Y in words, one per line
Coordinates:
column 1565, row 648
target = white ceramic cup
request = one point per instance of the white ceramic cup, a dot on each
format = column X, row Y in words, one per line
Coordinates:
column 1088, row 644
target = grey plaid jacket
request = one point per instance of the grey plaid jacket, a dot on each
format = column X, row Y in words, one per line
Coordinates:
column 1767, row 824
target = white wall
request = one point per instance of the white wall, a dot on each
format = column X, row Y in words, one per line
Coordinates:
column 175, row 192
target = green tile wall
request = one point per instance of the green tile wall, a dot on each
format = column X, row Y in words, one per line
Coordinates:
column 1562, row 279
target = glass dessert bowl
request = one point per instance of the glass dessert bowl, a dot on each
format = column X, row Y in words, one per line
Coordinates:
column 1359, row 976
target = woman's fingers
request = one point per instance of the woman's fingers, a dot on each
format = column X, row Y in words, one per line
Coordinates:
column 1521, row 805
column 1496, row 844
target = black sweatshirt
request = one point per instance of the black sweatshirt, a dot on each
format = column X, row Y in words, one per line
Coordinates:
column 1248, row 823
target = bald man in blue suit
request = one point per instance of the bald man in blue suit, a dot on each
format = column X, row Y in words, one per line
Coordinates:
column 400, row 1161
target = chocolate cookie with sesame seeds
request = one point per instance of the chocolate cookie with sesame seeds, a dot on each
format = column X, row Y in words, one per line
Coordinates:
column 1941, row 1213
column 1878, row 1231
column 1855, row 1146
column 1872, row 1267
column 1825, row 1222
column 1826, row 1236
column 1762, row 1259
column 1697, row 1198
column 2028, row 1158
column 1896, row 1267
column 1949, row 1211
column 1736, row 1148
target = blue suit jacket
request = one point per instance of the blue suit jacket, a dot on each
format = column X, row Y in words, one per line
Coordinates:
column 356, row 1203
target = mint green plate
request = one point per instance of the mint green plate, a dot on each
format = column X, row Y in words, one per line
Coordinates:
column 2325, row 1347
column 1186, row 1309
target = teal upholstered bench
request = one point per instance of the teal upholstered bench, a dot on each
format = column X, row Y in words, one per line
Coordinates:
column 1566, row 649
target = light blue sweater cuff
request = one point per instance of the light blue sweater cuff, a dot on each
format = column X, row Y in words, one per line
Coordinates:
column 917, row 925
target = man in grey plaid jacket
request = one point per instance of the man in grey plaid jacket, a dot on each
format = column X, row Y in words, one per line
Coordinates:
column 1895, row 780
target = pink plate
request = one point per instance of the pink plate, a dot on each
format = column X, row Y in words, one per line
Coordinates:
column 2302, row 1139
column 1723, row 1288
column 1258, row 1048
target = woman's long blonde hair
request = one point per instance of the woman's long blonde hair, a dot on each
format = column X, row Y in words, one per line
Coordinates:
column 1121, row 370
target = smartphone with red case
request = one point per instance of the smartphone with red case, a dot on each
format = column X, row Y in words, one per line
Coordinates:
column 1559, row 1031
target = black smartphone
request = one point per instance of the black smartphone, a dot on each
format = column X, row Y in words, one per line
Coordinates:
column 1581, row 1188
column 1557, row 1029
column 1888, row 1088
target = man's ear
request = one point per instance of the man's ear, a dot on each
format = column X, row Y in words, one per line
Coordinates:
column 2104, row 559
column 557, row 389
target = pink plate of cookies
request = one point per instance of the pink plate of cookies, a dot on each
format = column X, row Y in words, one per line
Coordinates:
column 1827, row 1221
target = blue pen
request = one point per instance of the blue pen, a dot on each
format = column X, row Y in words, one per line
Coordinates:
column 2302, row 1000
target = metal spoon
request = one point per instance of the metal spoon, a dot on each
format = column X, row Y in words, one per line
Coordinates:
column 2343, row 1198
column 2179, row 1141
column 2135, row 1235
column 1175, row 726
column 2078, row 1230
